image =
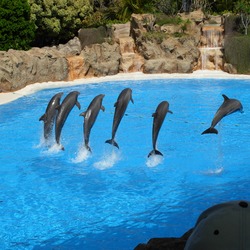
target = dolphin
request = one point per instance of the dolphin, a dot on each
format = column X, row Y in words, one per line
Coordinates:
column 120, row 107
column 159, row 116
column 50, row 114
column 228, row 107
column 63, row 111
column 90, row 116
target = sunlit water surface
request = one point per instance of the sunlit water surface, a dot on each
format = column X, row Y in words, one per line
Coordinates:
column 116, row 199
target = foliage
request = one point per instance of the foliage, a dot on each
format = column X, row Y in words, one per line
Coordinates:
column 168, row 7
column 16, row 29
column 162, row 19
column 152, row 36
column 232, row 25
column 242, row 7
column 122, row 10
column 239, row 56
column 57, row 21
column 222, row 6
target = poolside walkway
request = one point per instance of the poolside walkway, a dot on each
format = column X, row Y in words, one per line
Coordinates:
column 32, row 88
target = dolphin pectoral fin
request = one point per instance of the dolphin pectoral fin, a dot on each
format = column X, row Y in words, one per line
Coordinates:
column 210, row 131
column 112, row 142
column 78, row 105
column 131, row 99
column 103, row 108
column 43, row 118
column 83, row 114
column 58, row 107
column 155, row 152
column 115, row 104
column 169, row 111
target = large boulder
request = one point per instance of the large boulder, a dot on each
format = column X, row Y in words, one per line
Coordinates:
column 101, row 59
column 119, row 31
column 172, row 55
column 91, row 36
column 20, row 68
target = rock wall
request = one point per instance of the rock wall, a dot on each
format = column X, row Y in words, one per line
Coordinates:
column 122, row 48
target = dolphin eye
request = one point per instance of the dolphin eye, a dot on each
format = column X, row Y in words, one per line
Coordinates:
column 216, row 232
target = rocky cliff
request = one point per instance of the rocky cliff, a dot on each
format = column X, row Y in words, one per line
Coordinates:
column 129, row 47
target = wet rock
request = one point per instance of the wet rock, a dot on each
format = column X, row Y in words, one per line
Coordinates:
column 165, row 243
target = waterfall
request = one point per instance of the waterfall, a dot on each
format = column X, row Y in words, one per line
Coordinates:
column 211, row 49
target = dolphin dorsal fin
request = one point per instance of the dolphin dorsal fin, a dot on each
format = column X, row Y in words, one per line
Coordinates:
column 225, row 97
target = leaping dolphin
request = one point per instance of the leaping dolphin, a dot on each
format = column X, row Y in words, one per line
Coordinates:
column 120, row 107
column 50, row 114
column 90, row 116
column 228, row 107
column 159, row 116
column 63, row 111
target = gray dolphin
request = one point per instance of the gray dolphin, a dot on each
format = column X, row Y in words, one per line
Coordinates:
column 63, row 111
column 120, row 107
column 228, row 107
column 159, row 116
column 50, row 114
column 90, row 116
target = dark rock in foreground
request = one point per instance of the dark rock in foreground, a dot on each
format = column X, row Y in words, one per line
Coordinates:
column 165, row 243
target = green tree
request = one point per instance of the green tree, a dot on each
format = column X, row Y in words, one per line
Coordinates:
column 220, row 6
column 16, row 28
column 242, row 7
column 57, row 21
column 168, row 7
column 124, row 8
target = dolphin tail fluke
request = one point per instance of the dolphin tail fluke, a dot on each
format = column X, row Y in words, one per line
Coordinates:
column 210, row 131
column 155, row 152
column 112, row 142
column 88, row 148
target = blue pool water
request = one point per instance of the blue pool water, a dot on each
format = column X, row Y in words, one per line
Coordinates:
column 116, row 199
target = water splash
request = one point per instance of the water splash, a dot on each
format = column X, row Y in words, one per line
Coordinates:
column 53, row 149
column 216, row 171
column 48, row 143
column 82, row 155
column 154, row 161
column 109, row 159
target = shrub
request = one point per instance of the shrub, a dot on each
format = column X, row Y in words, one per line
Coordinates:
column 57, row 21
column 238, row 56
column 152, row 36
column 16, row 28
column 162, row 19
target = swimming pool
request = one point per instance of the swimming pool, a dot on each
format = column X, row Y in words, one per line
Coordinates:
column 116, row 199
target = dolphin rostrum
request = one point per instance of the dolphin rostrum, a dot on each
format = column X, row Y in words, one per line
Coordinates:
column 228, row 107
column 90, row 116
column 50, row 114
column 120, row 107
column 159, row 116
column 63, row 111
